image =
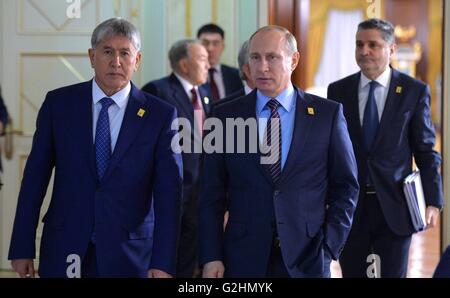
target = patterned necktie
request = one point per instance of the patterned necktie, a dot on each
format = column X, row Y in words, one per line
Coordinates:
column 213, row 85
column 273, row 128
column 199, row 116
column 370, row 120
column 103, row 138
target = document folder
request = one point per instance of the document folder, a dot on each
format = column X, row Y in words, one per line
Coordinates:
column 412, row 187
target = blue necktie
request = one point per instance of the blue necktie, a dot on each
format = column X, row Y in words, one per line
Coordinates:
column 370, row 120
column 275, row 164
column 103, row 138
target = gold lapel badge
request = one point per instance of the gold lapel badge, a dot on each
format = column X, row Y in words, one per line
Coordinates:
column 141, row 113
column 398, row 89
column 311, row 111
column 206, row 99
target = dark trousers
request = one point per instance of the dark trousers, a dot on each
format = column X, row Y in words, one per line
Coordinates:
column 187, row 246
column 89, row 267
column 371, row 235
column 276, row 267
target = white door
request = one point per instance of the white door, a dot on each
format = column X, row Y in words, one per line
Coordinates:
column 43, row 46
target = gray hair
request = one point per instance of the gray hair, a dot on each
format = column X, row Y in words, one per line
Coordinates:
column 384, row 27
column 116, row 27
column 180, row 50
column 291, row 42
column 243, row 58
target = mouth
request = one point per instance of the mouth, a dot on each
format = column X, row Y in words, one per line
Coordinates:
column 115, row 74
column 263, row 80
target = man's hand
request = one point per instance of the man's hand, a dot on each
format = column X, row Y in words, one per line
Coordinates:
column 155, row 273
column 25, row 267
column 431, row 216
column 214, row 269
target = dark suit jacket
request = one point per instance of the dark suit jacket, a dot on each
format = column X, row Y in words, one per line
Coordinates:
column 320, row 167
column 170, row 90
column 3, row 119
column 232, row 96
column 443, row 268
column 231, row 80
column 142, row 171
column 405, row 130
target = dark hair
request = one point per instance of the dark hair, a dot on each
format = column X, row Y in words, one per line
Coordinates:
column 210, row 28
column 386, row 28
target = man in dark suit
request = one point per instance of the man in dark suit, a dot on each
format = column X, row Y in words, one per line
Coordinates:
column 244, row 73
column 389, row 122
column 100, row 221
column 3, row 123
column 189, row 62
column 223, row 80
column 279, row 222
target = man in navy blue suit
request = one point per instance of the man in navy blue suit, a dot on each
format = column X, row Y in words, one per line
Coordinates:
column 109, row 145
column 389, row 122
column 244, row 73
column 189, row 62
column 3, row 123
column 289, row 214
column 223, row 79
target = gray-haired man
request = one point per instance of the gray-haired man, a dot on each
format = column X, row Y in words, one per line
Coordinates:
column 99, row 222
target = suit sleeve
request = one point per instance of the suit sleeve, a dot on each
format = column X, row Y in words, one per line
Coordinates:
column 211, row 205
column 427, row 159
column 3, row 113
column 167, row 193
column 343, row 188
column 151, row 88
column 35, row 181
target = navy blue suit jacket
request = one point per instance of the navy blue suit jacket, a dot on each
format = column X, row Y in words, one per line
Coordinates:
column 143, row 171
column 231, row 80
column 3, row 119
column 405, row 130
column 170, row 90
column 320, row 169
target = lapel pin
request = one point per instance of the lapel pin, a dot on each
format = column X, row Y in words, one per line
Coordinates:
column 206, row 99
column 398, row 89
column 141, row 112
column 311, row 111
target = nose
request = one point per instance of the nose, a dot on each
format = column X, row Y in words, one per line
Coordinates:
column 263, row 65
column 116, row 60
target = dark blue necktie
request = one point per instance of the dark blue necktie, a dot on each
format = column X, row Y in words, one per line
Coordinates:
column 103, row 138
column 275, row 160
column 370, row 120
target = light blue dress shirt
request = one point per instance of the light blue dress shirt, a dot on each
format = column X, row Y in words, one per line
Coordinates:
column 116, row 112
column 287, row 99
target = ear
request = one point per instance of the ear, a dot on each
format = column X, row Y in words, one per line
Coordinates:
column 246, row 70
column 392, row 49
column 183, row 65
column 91, row 53
column 295, row 60
column 138, row 61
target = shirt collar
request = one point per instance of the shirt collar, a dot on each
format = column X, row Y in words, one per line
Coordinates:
column 218, row 68
column 185, row 83
column 285, row 98
column 120, row 98
column 382, row 79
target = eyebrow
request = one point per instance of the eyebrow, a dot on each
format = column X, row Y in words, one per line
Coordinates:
column 111, row 48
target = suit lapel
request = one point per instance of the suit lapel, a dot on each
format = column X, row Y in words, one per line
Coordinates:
column 351, row 111
column 206, row 101
column 392, row 101
column 302, row 125
column 131, row 125
column 180, row 96
column 249, row 112
column 83, row 110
